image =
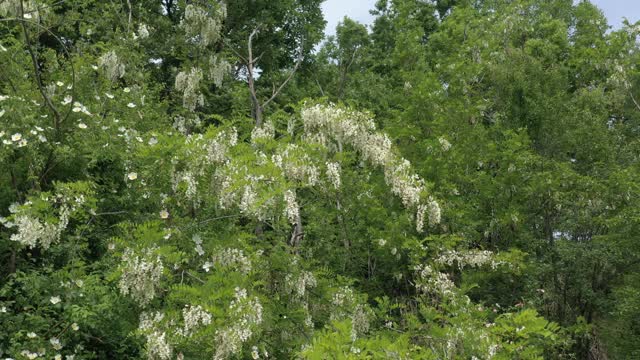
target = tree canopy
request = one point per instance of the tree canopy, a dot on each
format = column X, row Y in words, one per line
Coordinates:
column 217, row 180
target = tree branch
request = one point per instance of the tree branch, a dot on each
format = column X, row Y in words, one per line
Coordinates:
column 295, row 68
column 36, row 68
column 634, row 99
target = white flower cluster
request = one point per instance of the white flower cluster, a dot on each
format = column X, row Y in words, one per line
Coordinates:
column 298, row 286
column 194, row 317
column 246, row 314
column 431, row 281
column 357, row 130
column 189, row 84
column 432, row 209
column 444, row 143
column 186, row 125
column 191, row 189
column 140, row 276
column 143, row 32
column 12, row 8
column 234, row 259
column 343, row 297
column 297, row 165
column 403, row 183
column 472, row 258
column 198, row 241
column 359, row 322
column 333, row 173
column 200, row 26
column 32, row 231
column 148, row 321
column 346, row 306
column 31, row 355
column 248, row 200
column 157, row 346
column 218, row 147
column 291, row 210
column 218, row 68
column 265, row 132
column 112, row 65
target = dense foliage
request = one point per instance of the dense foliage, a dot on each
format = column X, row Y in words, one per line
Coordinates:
column 212, row 179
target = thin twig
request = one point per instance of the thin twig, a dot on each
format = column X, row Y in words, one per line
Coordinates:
column 634, row 100
column 64, row 48
column 195, row 277
column 129, row 23
column 36, row 68
column 295, row 68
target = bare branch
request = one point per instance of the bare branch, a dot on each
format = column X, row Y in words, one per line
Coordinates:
column 235, row 52
column 66, row 51
column 257, row 108
column 634, row 100
column 293, row 71
column 129, row 23
column 36, row 68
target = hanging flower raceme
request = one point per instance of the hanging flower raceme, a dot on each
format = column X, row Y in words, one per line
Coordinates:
column 189, row 84
column 43, row 224
column 358, row 131
column 202, row 27
column 245, row 316
column 333, row 173
column 113, row 67
column 140, row 275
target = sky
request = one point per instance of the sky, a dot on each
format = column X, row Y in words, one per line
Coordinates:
column 335, row 10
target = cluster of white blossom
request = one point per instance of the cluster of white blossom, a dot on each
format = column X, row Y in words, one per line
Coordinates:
column 31, row 231
column 444, row 143
column 358, row 130
column 31, row 355
column 432, row 210
column 198, row 241
column 291, row 210
column 194, row 317
column 359, row 322
column 148, row 320
column 143, row 32
column 218, row 68
column 13, row 8
column 404, row 183
column 234, row 259
column 188, row 178
column 218, row 147
column 140, row 276
column 298, row 286
column 157, row 346
column 472, row 258
column 113, row 67
column 265, row 132
column 186, row 125
column 246, row 314
column 333, row 173
column 202, row 27
column 248, row 200
column 431, row 281
column 297, row 165
column 241, row 184
column 345, row 306
column 79, row 107
column 343, row 297
column 189, row 84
